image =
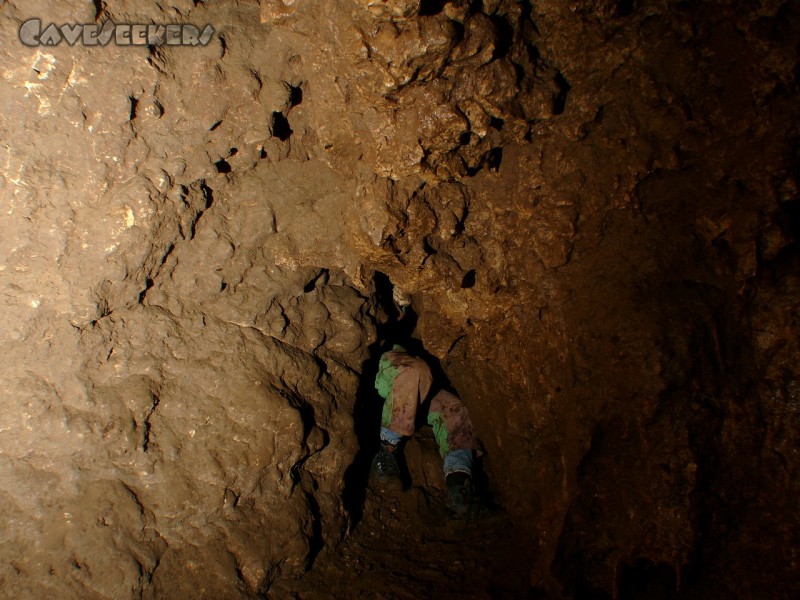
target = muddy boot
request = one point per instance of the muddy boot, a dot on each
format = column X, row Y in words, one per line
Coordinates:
column 459, row 493
column 385, row 471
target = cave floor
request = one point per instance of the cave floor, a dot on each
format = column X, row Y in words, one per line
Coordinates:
column 406, row 546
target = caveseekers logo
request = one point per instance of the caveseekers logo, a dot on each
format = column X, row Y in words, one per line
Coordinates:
column 33, row 34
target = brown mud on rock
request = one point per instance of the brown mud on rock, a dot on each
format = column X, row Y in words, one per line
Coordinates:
column 592, row 205
column 407, row 545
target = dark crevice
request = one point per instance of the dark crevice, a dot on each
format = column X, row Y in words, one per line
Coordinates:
column 148, row 283
column 316, row 543
column 239, row 573
column 460, row 225
column 280, row 126
column 625, row 7
column 99, row 9
column 560, row 98
column 215, row 126
column 134, row 106
column 367, row 412
column 295, row 95
column 307, row 417
column 496, row 123
column 164, row 258
column 429, row 8
column 533, row 54
column 320, row 278
column 472, row 171
column 504, row 37
column 159, row 108
column 456, row 342
column 222, row 165
column 494, row 159
column 468, row 280
column 147, row 425
column 208, row 197
column 459, row 32
column 644, row 579
column 426, row 246
column 788, row 218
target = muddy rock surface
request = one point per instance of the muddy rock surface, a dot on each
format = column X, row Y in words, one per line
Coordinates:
column 593, row 207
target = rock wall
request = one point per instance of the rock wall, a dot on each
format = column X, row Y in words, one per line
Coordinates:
column 593, row 206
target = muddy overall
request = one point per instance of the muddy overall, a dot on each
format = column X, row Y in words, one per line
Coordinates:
column 404, row 381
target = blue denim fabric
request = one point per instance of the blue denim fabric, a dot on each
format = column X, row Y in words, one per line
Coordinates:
column 458, row 461
column 390, row 437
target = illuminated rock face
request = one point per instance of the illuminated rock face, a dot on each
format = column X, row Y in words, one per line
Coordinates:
column 593, row 206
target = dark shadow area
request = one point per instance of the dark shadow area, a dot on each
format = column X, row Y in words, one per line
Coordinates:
column 429, row 8
column 645, row 580
column 280, row 126
column 625, row 8
column 295, row 95
column 223, row 166
column 367, row 409
column 393, row 327
column 560, row 99
column 504, row 36
column 494, row 159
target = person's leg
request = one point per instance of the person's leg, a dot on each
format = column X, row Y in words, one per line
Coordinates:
column 453, row 430
column 409, row 390
column 455, row 436
column 404, row 382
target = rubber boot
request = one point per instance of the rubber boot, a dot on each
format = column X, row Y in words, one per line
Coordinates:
column 385, row 471
column 459, row 493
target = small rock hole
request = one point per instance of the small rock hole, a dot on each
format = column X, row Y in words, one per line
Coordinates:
column 469, row 280
column 560, row 99
column 280, row 126
column 223, row 166
column 295, row 95
column 496, row 123
column 215, row 126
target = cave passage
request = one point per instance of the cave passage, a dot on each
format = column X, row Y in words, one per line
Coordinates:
column 583, row 216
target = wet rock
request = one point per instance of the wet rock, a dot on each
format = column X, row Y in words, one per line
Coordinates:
column 593, row 209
